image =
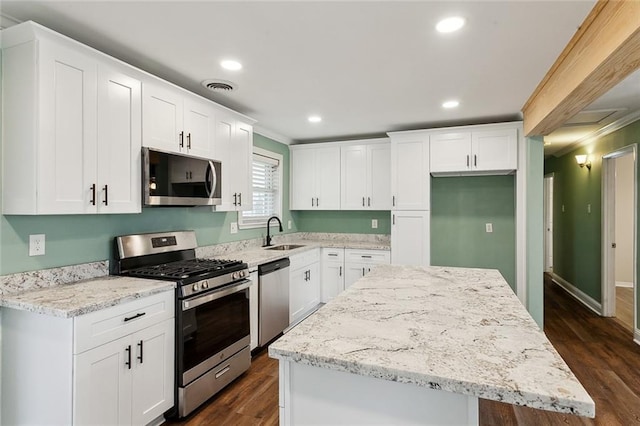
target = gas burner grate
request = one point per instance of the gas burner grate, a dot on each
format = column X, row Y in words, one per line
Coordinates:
column 185, row 268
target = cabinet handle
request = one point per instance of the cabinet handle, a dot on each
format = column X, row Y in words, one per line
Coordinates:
column 340, row 274
column 189, row 140
column 240, row 198
column 128, row 362
column 393, row 201
column 393, row 219
column 368, row 201
column 312, row 202
column 365, row 256
column 235, row 198
column 467, row 161
column 363, row 272
column 475, row 160
column 317, row 202
column 181, row 139
column 93, row 194
column 223, row 371
column 333, row 254
column 362, row 201
column 138, row 315
column 190, row 175
column 186, row 175
column 106, row 195
column 140, row 357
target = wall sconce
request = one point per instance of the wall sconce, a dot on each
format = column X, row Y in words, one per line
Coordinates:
column 583, row 160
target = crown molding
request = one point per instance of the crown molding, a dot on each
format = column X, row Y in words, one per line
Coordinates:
column 7, row 21
column 272, row 135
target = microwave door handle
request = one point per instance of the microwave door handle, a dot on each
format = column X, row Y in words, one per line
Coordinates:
column 210, row 179
column 214, row 178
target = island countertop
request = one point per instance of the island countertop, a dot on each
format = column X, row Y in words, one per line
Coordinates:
column 460, row 330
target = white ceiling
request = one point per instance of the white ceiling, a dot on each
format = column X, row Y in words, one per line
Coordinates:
column 365, row 67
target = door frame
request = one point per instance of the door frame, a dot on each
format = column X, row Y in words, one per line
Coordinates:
column 608, row 231
column 548, row 199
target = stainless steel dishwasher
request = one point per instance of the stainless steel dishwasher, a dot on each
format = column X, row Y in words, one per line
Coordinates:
column 273, row 309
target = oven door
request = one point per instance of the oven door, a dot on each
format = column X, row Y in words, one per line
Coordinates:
column 211, row 327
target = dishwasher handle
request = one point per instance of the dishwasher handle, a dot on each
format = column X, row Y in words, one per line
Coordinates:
column 274, row 266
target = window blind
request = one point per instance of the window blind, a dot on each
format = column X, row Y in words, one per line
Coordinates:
column 266, row 190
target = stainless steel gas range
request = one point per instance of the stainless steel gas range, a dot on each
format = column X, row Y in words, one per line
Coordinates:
column 212, row 311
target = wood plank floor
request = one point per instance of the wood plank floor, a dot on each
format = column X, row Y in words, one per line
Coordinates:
column 600, row 352
column 624, row 306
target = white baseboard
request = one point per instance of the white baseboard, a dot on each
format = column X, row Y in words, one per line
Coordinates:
column 578, row 294
column 624, row 284
column 636, row 335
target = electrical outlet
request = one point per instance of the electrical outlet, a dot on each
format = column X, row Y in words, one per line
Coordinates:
column 36, row 245
column 234, row 227
column 488, row 227
column 589, row 208
column 563, row 208
column 374, row 223
column 289, row 224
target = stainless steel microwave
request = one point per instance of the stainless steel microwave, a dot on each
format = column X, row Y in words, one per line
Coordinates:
column 170, row 179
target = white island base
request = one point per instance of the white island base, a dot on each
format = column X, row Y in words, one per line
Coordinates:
column 314, row 395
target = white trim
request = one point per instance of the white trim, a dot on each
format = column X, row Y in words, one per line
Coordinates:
column 521, row 217
column 636, row 336
column 263, row 131
column 578, row 294
column 7, row 21
column 624, row 284
column 609, row 128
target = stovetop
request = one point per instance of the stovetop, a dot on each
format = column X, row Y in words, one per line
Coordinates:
column 190, row 268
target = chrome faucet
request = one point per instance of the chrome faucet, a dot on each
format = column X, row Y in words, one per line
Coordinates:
column 268, row 230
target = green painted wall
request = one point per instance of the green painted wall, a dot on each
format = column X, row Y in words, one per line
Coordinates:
column 535, row 228
column 577, row 233
column 461, row 206
column 343, row 221
column 73, row 239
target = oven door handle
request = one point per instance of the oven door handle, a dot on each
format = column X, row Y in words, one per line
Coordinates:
column 209, row 297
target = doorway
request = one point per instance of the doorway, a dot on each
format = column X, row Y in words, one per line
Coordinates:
column 619, row 174
column 548, row 223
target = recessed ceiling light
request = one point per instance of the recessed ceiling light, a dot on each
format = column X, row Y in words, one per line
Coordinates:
column 450, row 104
column 314, row 119
column 231, row 65
column 451, row 24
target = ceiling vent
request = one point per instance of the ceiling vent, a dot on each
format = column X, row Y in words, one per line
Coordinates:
column 219, row 85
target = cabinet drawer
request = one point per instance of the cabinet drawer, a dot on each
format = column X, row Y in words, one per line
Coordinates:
column 332, row 254
column 103, row 326
column 367, row 256
column 304, row 259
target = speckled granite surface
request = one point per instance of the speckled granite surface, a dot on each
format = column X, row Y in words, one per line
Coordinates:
column 26, row 281
column 252, row 252
column 454, row 329
column 71, row 300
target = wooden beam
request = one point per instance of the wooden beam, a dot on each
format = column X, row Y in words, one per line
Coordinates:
column 604, row 50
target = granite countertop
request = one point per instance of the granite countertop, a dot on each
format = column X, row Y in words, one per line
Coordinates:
column 454, row 329
column 83, row 297
column 255, row 256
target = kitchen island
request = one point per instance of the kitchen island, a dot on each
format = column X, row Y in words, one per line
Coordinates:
column 411, row 345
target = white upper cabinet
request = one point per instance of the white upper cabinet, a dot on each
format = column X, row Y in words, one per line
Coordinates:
column 410, row 181
column 71, row 127
column 234, row 148
column 365, row 177
column 176, row 121
column 315, row 178
column 491, row 151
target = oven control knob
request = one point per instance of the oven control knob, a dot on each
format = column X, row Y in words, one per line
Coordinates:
column 243, row 274
column 234, row 276
column 205, row 284
column 196, row 287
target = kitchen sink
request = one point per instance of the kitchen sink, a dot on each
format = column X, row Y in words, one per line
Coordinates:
column 285, row 247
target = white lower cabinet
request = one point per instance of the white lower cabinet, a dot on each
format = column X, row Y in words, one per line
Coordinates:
column 359, row 263
column 253, row 309
column 114, row 366
column 332, row 273
column 410, row 238
column 304, row 284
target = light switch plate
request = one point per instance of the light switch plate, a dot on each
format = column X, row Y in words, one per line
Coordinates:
column 374, row 223
column 36, row 244
column 234, row 227
column 588, row 208
column 489, row 227
column 289, row 224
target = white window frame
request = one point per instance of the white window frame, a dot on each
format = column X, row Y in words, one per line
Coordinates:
column 242, row 224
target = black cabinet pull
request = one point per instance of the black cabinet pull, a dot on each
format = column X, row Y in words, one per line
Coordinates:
column 186, row 175
column 393, row 217
column 128, row 362
column 240, row 198
column 393, row 201
column 138, row 315
column 363, row 272
column 190, row 175
column 317, row 202
column 467, row 161
column 340, row 274
column 140, row 357
column 475, row 160
column 365, row 256
column 93, row 194
column 235, row 198
column 189, row 140
column 312, row 202
column 181, row 139
column 106, row 195
column 362, row 201
column 368, row 201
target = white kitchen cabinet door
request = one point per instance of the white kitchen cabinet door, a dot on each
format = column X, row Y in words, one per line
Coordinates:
column 119, row 142
column 353, row 272
column 379, row 176
column 102, row 385
column 495, row 150
column 242, row 165
column 410, row 181
column 410, row 238
column 253, row 309
column 327, row 178
column 354, row 176
column 302, row 195
column 163, row 119
column 68, row 145
column 297, row 280
column 451, row 152
column 199, row 127
column 332, row 280
column 312, row 287
column 152, row 379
